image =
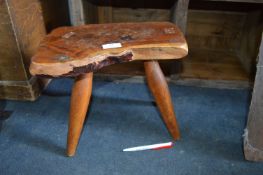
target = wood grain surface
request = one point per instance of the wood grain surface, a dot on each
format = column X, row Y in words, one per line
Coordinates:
column 80, row 99
column 159, row 88
column 70, row 51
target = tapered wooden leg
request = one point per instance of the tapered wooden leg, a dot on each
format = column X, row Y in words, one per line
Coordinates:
column 159, row 88
column 80, row 97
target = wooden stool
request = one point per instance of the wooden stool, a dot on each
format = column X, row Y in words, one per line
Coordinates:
column 78, row 51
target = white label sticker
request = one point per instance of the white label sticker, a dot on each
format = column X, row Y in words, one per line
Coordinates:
column 111, row 45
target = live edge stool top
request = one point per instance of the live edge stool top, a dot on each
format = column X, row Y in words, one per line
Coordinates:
column 70, row 51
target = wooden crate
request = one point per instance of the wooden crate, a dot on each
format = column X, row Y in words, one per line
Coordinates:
column 23, row 25
column 19, row 40
column 223, row 45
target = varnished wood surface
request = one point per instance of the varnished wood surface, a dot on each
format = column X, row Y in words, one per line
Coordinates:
column 80, row 98
column 69, row 51
column 159, row 88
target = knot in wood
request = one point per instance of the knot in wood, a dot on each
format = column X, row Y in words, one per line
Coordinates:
column 170, row 30
column 126, row 37
column 62, row 57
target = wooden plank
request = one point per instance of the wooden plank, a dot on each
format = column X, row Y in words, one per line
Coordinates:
column 213, row 83
column 216, row 43
column 253, row 142
column 215, row 23
column 23, row 14
column 76, row 12
column 22, row 90
column 55, row 13
column 248, row 44
column 179, row 14
column 105, row 14
column 215, row 30
column 11, row 59
column 90, row 12
column 19, row 40
column 247, row 1
column 74, row 50
column 139, row 15
column 213, row 65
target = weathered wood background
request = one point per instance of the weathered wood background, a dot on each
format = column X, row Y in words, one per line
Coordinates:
column 253, row 141
column 19, row 40
column 22, row 27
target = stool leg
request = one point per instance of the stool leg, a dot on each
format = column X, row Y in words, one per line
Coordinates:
column 159, row 88
column 80, row 97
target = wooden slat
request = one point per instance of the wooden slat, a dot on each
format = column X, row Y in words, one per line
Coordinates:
column 105, row 14
column 179, row 14
column 76, row 12
column 215, row 23
column 11, row 59
column 140, row 15
column 21, row 29
column 247, row 50
column 247, row 1
column 212, row 65
column 55, row 13
column 253, row 142
column 90, row 12
column 215, row 30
